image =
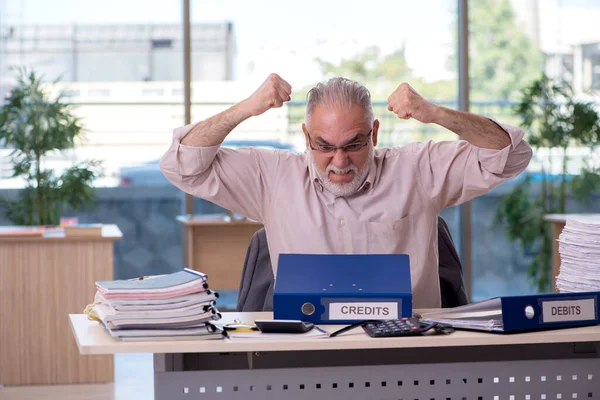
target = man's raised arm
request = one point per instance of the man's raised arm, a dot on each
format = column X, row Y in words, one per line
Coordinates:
column 480, row 131
column 240, row 180
column 453, row 172
column 211, row 132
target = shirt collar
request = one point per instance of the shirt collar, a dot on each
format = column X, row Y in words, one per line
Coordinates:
column 314, row 178
column 370, row 179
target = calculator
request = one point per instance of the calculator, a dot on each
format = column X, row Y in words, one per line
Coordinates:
column 396, row 327
column 283, row 326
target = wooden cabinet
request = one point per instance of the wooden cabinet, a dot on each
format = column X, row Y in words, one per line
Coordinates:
column 42, row 281
column 217, row 247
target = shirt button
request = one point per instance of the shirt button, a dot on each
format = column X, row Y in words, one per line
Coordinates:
column 342, row 222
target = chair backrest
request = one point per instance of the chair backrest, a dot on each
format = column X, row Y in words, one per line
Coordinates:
column 256, row 285
column 452, row 284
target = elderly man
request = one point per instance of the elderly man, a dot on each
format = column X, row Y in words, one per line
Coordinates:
column 343, row 195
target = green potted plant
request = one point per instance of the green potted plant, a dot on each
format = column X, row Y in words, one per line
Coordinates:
column 554, row 120
column 34, row 125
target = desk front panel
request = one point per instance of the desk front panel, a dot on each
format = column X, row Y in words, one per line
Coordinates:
column 492, row 373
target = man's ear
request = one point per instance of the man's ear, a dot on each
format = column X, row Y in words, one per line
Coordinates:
column 375, row 131
column 305, row 135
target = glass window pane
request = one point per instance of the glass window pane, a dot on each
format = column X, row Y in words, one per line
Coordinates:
column 122, row 71
column 511, row 44
column 379, row 44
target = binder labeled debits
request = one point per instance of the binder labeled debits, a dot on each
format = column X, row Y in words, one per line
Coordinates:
column 342, row 288
column 523, row 313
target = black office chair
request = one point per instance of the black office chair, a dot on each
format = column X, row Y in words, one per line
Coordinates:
column 256, row 285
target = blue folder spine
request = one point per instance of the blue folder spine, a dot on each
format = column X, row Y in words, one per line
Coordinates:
column 289, row 306
column 516, row 318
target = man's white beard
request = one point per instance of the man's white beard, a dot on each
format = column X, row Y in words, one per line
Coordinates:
column 344, row 189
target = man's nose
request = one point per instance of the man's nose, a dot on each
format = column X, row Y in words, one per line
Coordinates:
column 340, row 158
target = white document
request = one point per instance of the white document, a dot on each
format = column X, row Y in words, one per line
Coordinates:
column 579, row 249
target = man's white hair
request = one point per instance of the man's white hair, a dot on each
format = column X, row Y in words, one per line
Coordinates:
column 339, row 93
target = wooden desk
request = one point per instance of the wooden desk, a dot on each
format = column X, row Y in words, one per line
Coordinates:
column 354, row 366
column 216, row 247
column 42, row 281
column 558, row 223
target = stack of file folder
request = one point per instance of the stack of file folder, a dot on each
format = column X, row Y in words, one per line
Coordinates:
column 579, row 249
column 174, row 306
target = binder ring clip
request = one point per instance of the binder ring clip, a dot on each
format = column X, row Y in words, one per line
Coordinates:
column 240, row 326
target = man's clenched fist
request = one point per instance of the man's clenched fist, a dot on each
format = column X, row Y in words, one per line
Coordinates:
column 271, row 94
column 406, row 103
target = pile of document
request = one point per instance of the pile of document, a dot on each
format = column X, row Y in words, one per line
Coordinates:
column 485, row 315
column 174, row 306
column 579, row 249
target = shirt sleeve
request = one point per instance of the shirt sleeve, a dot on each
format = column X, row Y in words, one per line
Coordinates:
column 240, row 180
column 453, row 172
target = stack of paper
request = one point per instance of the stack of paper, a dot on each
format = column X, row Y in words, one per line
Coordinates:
column 166, row 306
column 579, row 248
column 485, row 315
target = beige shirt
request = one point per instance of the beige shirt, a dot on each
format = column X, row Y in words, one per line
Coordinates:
column 394, row 211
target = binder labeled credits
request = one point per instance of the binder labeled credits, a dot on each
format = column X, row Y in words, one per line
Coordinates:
column 342, row 288
column 523, row 313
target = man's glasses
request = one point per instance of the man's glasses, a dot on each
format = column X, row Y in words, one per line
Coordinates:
column 348, row 148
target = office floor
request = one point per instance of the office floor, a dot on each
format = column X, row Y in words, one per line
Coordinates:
column 134, row 379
